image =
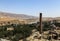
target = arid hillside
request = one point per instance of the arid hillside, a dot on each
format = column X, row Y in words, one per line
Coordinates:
column 24, row 19
column 20, row 18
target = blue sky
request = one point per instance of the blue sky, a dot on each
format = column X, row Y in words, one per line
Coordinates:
column 49, row 8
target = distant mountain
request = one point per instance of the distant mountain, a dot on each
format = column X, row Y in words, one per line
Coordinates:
column 21, row 17
column 11, row 16
column 18, row 16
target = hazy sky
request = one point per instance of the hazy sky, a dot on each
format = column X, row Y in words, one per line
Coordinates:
column 50, row 8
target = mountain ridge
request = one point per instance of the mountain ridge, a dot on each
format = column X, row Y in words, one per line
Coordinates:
column 25, row 17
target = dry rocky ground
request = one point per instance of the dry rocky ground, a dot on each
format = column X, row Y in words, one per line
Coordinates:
column 35, row 36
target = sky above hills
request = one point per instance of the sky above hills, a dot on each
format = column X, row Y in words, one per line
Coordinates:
column 49, row 8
